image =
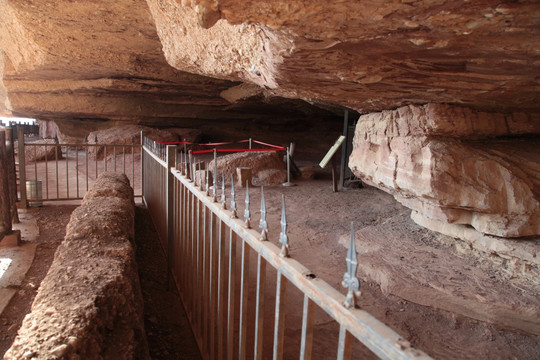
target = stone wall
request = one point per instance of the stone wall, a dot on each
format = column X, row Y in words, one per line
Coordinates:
column 455, row 165
column 89, row 306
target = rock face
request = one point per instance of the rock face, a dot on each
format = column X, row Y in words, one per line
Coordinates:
column 367, row 55
column 451, row 164
column 89, row 306
column 100, row 64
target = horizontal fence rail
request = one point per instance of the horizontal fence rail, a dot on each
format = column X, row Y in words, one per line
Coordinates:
column 67, row 171
column 237, row 287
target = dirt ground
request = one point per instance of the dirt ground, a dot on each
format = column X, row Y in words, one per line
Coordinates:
column 318, row 219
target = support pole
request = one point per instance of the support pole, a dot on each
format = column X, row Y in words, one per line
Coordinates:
column 288, row 183
column 5, row 207
column 12, row 175
column 344, row 149
column 22, row 168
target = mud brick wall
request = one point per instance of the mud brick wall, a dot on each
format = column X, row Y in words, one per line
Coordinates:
column 89, row 306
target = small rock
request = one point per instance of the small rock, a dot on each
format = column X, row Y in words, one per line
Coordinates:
column 60, row 350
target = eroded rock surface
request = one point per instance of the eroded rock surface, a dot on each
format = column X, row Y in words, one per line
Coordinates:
column 367, row 55
column 89, row 306
column 432, row 160
column 266, row 167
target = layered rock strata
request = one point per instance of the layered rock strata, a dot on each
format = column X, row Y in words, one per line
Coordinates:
column 89, row 306
column 455, row 165
column 367, row 55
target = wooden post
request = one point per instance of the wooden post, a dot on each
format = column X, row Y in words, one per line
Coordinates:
column 12, row 175
column 5, row 207
column 22, row 168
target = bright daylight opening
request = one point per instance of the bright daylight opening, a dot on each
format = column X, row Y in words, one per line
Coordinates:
column 6, row 120
column 4, row 265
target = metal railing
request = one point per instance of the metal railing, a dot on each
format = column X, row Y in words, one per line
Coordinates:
column 227, row 296
column 67, row 171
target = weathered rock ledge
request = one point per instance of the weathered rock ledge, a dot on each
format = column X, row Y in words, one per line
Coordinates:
column 455, row 165
column 89, row 305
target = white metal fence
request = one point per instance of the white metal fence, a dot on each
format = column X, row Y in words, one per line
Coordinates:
column 66, row 171
column 222, row 266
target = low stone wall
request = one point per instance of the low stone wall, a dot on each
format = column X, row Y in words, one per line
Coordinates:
column 89, row 306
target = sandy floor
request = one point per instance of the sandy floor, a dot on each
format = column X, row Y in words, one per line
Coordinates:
column 318, row 219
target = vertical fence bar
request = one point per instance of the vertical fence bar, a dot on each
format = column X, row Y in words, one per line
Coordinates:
column 47, row 173
column 259, row 309
column 344, row 344
column 58, row 148
column 244, row 282
column 142, row 164
column 67, row 172
column 22, row 167
column 171, row 161
column 35, row 162
column 308, row 318
column 213, row 284
column 231, row 295
column 221, row 318
column 86, row 164
column 96, row 159
column 77, row 168
column 203, row 279
column 279, row 324
column 198, row 270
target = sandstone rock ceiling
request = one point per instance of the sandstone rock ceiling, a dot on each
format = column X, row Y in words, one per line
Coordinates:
column 368, row 55
column 102, row 60
column 105, row 60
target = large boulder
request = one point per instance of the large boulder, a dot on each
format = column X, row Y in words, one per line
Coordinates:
column 131, row 134
column 47, row 149
column 452, row 164
column 267, row 168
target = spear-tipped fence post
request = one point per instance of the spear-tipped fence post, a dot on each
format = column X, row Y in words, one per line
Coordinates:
column 263, row 224
column 181, row 164
column 350, row 281
column 185, row 169
column 191, row 177
column 247, row 213
column 200, row 176
column 223, row 198
column 206, row 184
column 214, row 190
column 283, row 238
column 233, row 199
